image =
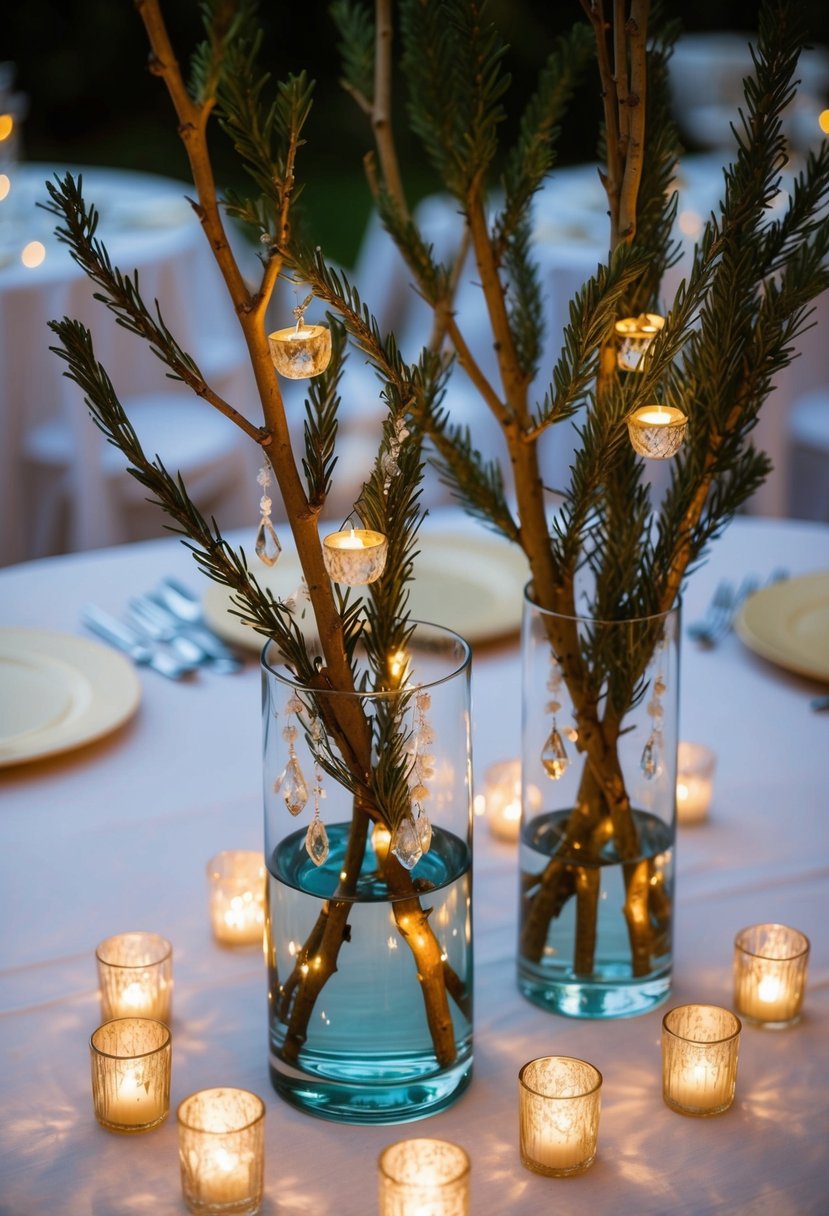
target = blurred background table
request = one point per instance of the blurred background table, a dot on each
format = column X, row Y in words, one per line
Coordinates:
column 116, row 836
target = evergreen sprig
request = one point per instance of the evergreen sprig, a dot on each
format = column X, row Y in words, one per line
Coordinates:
column 355, row 23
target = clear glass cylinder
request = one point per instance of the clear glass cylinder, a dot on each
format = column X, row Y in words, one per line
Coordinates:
column 599, row 747
column 369, row 921
column 131, row 1060
column 558, row 1115
column 424, row 1178
column 770, row 964
column 221, row 1139
column 236, row 892
column 135, row 976
column 700, row 1046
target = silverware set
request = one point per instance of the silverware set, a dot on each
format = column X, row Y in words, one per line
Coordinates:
column 718, row 618
column 165, row 631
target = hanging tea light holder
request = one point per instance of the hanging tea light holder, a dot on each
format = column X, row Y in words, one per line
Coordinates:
column 302, row 350
column 634, row 335
column 657, row 431
column 356, row 556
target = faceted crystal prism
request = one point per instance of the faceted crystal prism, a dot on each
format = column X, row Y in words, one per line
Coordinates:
column 651, row 762
column 267, row 545
column 316, row 841
column 554, row 756
column 292, row 786
column 405, row 844
column 424, row 830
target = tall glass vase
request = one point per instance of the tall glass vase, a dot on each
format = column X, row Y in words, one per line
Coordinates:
column 597, row 838
column 369, row 922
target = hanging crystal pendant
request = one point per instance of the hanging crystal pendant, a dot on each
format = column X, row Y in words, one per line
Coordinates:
column 554, row 755
column 316, row 841
column 651, row 762
column 267, row 545
column 405, row 844
column 292, row 786
column 423, row 827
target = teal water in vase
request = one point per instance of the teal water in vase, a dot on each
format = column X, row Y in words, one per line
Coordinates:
column 368, row 1055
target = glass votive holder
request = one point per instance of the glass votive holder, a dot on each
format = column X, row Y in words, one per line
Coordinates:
column 770, row 963
column 558, row 1115
column 221, row 1145
column 634, row 336
column 700, row 1045
column 657, row 431
column 131, row 1060
column 355, row 557
column 694, row 782
column 300, row 351
column 236, row 888
column 502, row 798
column 135, row 976
column 424, row 1177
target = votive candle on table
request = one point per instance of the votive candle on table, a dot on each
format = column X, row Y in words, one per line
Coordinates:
column 236, row 882
column 221, row 1140
column 135, row 975
column 131, row 1060
column 694, row 782
column 700, row 1046
column 558, row 1115
column 770, row 963
column 502, row 795
column 424, row 1178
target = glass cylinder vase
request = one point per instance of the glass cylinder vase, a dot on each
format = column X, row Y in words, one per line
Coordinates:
column 599, row 744
column 368, row 844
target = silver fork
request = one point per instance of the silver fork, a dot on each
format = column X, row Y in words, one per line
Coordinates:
column 717, row 617
column 131, row 643
column 189, row 644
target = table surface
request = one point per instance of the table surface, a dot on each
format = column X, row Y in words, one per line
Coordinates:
column 116, row 835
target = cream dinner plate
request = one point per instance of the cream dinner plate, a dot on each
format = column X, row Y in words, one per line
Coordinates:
column 788, row 623
column 472, row 583
column 58, row 692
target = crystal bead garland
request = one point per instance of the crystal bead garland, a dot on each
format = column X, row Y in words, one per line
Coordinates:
column 291, row 782
column 554, row 754
column 413, row 835
column 267, row 545
column 316, row 838
column 652, row 762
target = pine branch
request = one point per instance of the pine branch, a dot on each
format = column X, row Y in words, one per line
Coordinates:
column 320, row 430
column 355, row 23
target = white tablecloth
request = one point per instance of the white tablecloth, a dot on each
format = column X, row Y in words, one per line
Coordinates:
column 116, row 836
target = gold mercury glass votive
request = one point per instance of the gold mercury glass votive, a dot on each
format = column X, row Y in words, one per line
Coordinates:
column 131, row 1060
column 770, row 963
column 695, row 765
column 236, row 888
column 656, row 431
column 355, row 557
column 300, row 352
column 558, row 1115
column 221, row 1143
column 635, row 335
column 700, row 1045
column 424, row 1178
column 135, row 975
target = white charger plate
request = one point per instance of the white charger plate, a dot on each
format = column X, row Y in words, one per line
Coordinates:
column 58, row 692
column 472, row 583
column 788, row 624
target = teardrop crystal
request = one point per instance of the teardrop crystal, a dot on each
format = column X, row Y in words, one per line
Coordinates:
column 554, row 756
column 651, row 762
column 316, row 842
column 292, row 786
column 267, row 545
column 405, row 844
column 423, row 827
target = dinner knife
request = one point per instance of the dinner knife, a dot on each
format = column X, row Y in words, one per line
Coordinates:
column 177, row 600
column 128, row 642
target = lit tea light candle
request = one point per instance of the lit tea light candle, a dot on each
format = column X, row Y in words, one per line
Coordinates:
column 635, row 335
column 656, row 431
column 221, row 1135
column 424, row 1178
column 558, row 1113
column 355, row 557
column 135, row 975
column 694, row 781
column 236, row 884
column 32, row 254
column 131, row 1059
column 300, row 352
column 770, row 964
column 502, row 799
column 700, row 1046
